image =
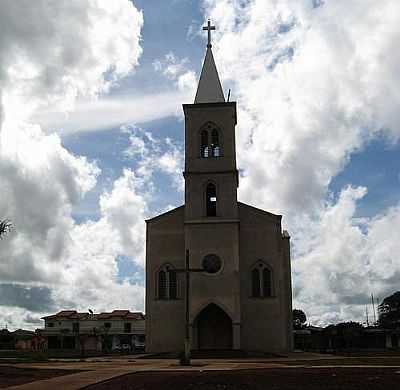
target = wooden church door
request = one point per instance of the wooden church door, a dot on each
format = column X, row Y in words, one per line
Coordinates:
column 214, row 328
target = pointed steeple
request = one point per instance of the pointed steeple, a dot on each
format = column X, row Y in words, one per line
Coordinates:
column 209, row 89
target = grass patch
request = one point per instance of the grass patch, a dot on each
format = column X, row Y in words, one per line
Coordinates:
column 20, row 356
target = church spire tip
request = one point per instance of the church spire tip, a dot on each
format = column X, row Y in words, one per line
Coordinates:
column 209, row 89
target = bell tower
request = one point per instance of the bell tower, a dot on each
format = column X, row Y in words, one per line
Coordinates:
column 211, row 210
column 211, row 176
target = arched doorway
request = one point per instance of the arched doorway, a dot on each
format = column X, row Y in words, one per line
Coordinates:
column 214, row 328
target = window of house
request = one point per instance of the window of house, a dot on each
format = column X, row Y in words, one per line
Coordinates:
column 261, row 281
column 50, row 324
column 211, row 200
column 75, row 327
column 167, row 282
column 107, row 325
column 127, row 327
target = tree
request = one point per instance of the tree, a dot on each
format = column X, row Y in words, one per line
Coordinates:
column 299, row 318
column 5, row 227
column 389, row 311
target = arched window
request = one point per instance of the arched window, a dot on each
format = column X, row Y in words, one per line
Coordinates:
column 215, row 148
column 261, row 281
column 162, row 284
column 204, row 144
column 173, row 285
column 211, row 200
column 210, row 141
column 267, row 287
column 167, row 283
column 255, row 283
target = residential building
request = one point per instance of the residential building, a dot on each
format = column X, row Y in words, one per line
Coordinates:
column 106, row 332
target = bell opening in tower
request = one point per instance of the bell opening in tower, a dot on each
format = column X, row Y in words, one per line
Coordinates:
column 211, row 200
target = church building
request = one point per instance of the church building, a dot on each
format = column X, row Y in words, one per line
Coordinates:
column 240, row 296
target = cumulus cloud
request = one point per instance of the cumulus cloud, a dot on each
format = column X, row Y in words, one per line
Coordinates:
column 178, row 70
column 127, row 221
column 90, row 271
column 340, row 260
column 315, row 82
column 51, row 55
column 113, row 111
column 40, row 181
column 155, row 155
column 313, row 85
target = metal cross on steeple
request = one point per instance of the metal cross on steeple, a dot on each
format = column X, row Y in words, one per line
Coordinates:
column 208, row 28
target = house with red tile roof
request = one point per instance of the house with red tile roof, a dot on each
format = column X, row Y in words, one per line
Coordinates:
column 119, row 330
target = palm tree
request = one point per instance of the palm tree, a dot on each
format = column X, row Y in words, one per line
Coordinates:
column 5, row 227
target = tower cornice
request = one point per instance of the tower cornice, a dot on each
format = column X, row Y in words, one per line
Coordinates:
column 205, row 106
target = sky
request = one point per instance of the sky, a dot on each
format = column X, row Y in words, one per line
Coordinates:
column 91, row 142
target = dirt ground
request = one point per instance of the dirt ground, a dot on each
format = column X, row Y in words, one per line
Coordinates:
column 261, row 379
column 295, row 372
column 349, row 361
column 11, row 376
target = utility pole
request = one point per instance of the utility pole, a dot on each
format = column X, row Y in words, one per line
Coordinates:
column 373, row 308
column 187, row 270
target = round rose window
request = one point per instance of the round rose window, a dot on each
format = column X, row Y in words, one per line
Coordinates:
column 212, row 264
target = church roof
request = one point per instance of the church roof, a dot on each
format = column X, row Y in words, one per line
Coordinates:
column 160, row 216
column 209, row 89
column 260, row 211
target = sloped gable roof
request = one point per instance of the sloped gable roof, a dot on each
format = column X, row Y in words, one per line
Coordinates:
column 260, row 211
column 166, row 214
